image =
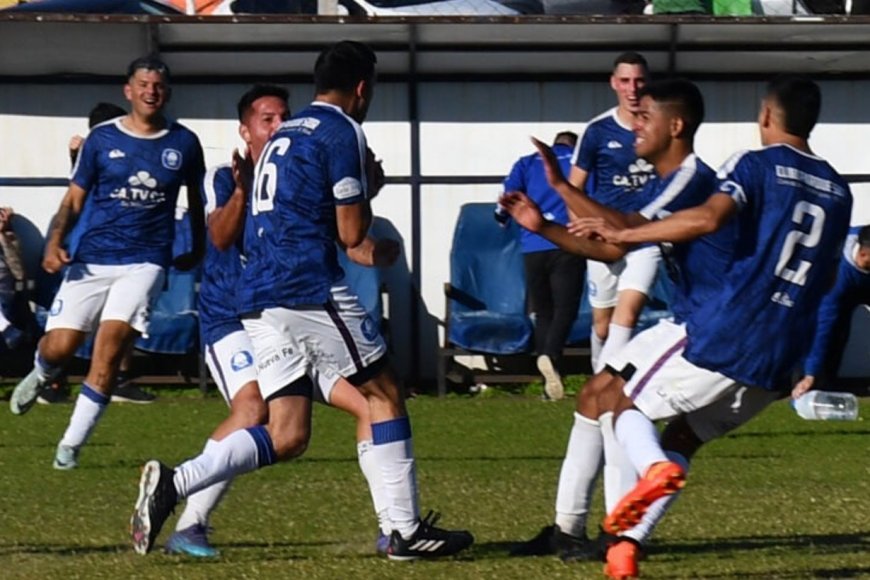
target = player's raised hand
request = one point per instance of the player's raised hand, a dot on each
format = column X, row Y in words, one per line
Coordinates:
column 55, row 258
column 555, row 177
column 524, row 211
column 243, row 169
column 595, row 228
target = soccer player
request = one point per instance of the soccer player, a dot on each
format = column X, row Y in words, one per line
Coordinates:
column 310, row 188
column 227, row 347
column 121, row 200
column 607, row 170
column 852, row 288
column 791, row 211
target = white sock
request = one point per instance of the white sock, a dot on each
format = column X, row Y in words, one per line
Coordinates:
column 617, row 337
column 639, row 439
column 596, row 343
column 393, row 452
column 577, row 478
column 89, row 407
column 375, row 479
column 44, row 371
column 619, row 474
column 654, row 514
column 239, row 452
column 200, row 504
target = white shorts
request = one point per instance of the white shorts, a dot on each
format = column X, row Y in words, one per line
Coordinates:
column 230, row 361
column 635, row 271
column 92, row 293
column 336, row 340
column 660, row 382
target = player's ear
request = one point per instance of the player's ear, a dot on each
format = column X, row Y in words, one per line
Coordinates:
column 361, row 90
column 128, row 91
column 677, row 127
column 245, row 134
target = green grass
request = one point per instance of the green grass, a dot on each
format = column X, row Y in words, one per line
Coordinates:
column 780, row 498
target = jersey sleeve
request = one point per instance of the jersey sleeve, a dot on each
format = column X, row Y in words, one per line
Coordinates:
column 587, row 150
column 195, row 163
column 346, row 167
column 217, row 187
column 84, row 172
column 739, row 178
column 829, row 312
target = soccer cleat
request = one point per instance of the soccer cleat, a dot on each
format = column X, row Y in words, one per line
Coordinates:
column 192, row 541
column 128, row 392
column 573, row 549
column 428, row 541
column 661, row 479
column 622, row 560
column 157, row 499
column 54, row 394
column 553, row 388
column 25, row 393
column 65, row 458
column 382, row 544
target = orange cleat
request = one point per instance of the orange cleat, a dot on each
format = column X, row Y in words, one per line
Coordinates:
column 661, row 479
column 622, row 560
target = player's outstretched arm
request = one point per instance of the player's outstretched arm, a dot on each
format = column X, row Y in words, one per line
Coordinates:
column 526, row 213
column 573, row 195
column 55, row 256
column 682, row 226
column 353, row 222
column 226, row 223
column 381, row 253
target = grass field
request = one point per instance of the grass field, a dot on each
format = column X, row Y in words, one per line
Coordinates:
column 780, row 498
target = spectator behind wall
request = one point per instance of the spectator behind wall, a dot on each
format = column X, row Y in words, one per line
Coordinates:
column 11, row 271
column 554, row 278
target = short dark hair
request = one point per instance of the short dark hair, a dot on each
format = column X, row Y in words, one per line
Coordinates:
column 682, row 96
column 102, row 112
column 565, row 138
column 800, row 100
column 631, row 57
column 149, row 62
column 864, row 237
column 259, row 91
column 343, row 65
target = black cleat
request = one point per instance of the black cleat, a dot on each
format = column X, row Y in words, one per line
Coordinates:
column 157, row 499
column 428, row 541
column 573, row 549
column 551, row 540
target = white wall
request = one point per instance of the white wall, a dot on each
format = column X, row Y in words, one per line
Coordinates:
column 465, row 128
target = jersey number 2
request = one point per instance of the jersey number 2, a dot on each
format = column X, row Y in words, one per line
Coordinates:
column 798, row 274
column 266, row 180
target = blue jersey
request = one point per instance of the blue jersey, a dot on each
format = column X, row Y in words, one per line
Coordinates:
column 851, row 289
column 793, row 213
column 697, row 267
column 218, row 315
column 527, row 175
column 616, row 175
column 315, row 161
column 132, row 183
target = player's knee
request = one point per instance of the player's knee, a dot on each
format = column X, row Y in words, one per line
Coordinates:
column 587, row 397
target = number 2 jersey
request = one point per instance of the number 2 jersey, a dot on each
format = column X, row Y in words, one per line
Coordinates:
column 793, row 212
column 132, row 183
column 314, row 162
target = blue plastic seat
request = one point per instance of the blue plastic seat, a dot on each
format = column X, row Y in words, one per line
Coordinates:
column 486, row 297
column 367, row 284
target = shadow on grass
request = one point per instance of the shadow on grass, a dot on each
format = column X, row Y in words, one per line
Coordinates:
column 63, row 550
column 816, row 543
column 809, row 433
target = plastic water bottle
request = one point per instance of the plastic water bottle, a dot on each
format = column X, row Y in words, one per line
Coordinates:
column 826, row 406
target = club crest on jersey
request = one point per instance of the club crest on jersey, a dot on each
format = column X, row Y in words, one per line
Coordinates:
column 171, row 159
column 241, row 360
column 56, row 307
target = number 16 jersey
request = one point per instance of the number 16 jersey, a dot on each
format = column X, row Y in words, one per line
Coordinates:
column 793, row 212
